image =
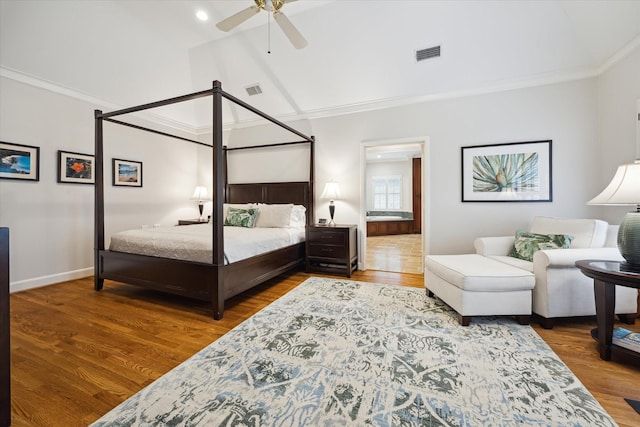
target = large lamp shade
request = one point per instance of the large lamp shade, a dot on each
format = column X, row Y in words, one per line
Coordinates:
column 624, row 190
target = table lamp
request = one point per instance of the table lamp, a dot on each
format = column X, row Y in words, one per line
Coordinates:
column 200, row 194
column 331, row 192
column 624, row 190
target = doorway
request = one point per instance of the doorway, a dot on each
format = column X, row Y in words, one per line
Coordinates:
column 393, row 227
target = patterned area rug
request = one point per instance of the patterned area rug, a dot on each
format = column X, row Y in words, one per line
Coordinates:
column 338, row 352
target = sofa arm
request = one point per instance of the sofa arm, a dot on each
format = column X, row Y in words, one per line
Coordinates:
column 568, row 257
column 488, row 246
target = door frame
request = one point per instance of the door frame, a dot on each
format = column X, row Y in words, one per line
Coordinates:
column 423, row 141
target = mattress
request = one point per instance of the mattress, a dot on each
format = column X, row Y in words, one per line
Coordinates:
column 194, row 242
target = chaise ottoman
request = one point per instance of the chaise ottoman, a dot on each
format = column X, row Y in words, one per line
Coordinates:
column 474, row 285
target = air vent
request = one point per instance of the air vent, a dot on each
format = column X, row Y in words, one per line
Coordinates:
column 428, row 53
column 253, row 89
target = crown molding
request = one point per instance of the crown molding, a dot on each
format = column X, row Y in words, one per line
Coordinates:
column 97, row 102
column 379, row 104
column 501, row 86
column 619, row 55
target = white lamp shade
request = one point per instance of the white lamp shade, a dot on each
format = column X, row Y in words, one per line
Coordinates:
column 624, row 188
column 200, row 193
column 331, row 191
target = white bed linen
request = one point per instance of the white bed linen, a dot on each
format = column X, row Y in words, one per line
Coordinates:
column 193, row 242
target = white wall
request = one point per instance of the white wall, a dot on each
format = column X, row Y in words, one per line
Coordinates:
column 51, row 224
column 275, row 164
column 565, row 113
column 591, row 123
column 169, row 178
column 618, row 95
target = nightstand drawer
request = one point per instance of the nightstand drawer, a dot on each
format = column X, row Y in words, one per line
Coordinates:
column 329, row 237
column 327, row 251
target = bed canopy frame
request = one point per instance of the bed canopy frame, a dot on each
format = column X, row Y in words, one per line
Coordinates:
column 215, row 282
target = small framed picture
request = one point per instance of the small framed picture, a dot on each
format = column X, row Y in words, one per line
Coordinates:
column 127, row 173
column 19, row 162
column 75, row 168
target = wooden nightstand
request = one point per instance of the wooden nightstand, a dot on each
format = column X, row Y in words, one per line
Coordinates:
column 191, row 221
column 332, row 249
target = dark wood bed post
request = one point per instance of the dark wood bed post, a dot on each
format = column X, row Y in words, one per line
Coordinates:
column 311, row 218
column 225, row 155
column 218, row 296
column 98, row 201
column 216, row 281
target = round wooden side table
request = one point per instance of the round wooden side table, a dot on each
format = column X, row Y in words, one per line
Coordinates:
column 605, row 275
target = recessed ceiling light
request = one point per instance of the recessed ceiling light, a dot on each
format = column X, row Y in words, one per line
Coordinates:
column 202, row 15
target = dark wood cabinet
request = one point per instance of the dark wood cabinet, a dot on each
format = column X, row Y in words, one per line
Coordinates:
column 332, row 249
column 417, row 195
column 5, row 348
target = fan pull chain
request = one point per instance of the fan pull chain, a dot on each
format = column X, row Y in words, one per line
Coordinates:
column 269, row 33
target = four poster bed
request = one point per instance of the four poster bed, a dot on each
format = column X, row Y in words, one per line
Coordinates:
column 217, row 280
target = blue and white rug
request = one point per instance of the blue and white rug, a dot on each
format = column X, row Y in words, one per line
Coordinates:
column 343, row 353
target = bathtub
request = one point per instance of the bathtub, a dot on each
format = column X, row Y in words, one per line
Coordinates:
column 385, row 218
column 384, row 225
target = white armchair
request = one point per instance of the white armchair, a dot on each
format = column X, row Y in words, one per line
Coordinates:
column 561, row 290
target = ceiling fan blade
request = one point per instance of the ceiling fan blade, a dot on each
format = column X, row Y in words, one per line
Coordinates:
column 237, row 19
column 290, row 30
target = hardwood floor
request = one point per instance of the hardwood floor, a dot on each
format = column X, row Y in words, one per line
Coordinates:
column 77, row 353
column 401, row 253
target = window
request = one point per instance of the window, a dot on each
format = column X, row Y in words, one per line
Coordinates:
column 387, row 192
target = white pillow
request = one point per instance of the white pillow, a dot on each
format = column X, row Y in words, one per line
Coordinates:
column 277, row 216
column 298, row 216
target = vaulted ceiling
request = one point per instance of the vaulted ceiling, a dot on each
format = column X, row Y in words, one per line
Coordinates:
column 360, row 53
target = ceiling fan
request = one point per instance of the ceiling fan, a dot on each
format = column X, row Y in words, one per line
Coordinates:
column 271, row 6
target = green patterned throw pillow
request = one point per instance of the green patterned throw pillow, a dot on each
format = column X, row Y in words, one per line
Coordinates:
column 526, row 243
column 241, row 217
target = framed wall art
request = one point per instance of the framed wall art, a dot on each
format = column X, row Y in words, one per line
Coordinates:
column 127, row 173
column 19, row 162
column 75, row 168
column 511, row 172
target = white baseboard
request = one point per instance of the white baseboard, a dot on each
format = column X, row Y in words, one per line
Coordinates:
column 38, row 282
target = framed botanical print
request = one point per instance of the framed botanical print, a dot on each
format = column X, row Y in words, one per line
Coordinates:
column 511, row 172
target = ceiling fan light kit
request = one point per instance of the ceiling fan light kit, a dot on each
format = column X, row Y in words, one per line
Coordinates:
column 271, row 6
